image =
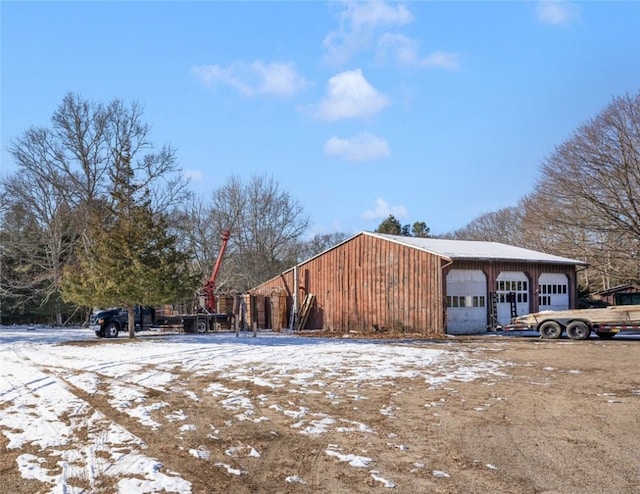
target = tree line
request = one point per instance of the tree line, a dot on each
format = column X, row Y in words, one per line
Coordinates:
column 96, row 215
column 586, row 202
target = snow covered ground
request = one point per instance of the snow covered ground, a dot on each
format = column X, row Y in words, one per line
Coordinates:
column 47, row 375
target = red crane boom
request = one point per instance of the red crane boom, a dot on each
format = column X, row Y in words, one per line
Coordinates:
column 209, row 286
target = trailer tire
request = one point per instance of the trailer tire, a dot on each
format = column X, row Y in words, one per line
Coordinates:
column 578, row 330
column 201, row 327
column 550, row 330
column 605, row 335
column 111, row 330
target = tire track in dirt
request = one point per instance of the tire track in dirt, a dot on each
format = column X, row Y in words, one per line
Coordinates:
column 84, row 431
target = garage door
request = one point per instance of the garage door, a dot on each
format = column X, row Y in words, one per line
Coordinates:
column 516, row 283
column 466, row 301
column 553, row 291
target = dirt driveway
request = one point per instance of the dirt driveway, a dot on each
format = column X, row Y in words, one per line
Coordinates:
column 559, row 417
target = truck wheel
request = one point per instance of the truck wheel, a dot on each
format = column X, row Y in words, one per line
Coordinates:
column 605, row 335
column 111, row 330
column 201, row 327
column 550, row 330
column 578, row 330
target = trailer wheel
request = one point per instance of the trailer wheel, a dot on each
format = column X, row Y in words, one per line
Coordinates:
column 111, row 330
column 578, row 330
column 605, row 335
column 201, row 327
column 550, row 330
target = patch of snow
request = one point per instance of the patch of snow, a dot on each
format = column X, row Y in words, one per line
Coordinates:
column 242, row 451
column 353, row 460
column 295, row 478
column 386, row 483
column 201, row 452
column 175, row 416
column 440, row 474
column 230, row 469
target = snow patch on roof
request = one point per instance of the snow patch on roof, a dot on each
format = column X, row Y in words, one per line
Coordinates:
column 476, row 249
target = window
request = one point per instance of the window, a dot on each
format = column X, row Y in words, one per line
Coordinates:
column 544, row 300
column 462, row 301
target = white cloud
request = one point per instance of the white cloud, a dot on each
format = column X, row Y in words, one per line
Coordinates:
column 362, row 147
column 193, row 175
column 382, row 210
column 401, row 48
column 358, row 23
column 405, row 51
column 557, row 12
column 441, row 59
column 250, row 79
column 349, row 95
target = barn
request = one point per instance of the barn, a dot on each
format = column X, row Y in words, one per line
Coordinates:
column 379, row 282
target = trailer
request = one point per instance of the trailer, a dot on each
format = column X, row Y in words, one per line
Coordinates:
column 195, row 323
column 580, row 323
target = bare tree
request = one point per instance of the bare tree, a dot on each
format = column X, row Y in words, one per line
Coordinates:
column 64, row 175
column 586, row 203
column 266, row 224
column 318, row 244
column 82, row 145
column 504, row 225
column 599, row 168
column 38, row 235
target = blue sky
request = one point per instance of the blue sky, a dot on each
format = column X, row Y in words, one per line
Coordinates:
column 430, row 111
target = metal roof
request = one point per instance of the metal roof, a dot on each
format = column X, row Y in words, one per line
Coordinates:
column 477, row 250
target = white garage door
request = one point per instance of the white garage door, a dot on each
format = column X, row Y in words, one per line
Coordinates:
column 553, row 291
column 516, row 283
column 466, row 301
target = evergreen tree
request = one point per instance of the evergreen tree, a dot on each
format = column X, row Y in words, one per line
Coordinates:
column 420, row 229
column 390, row 226
column 130, row 259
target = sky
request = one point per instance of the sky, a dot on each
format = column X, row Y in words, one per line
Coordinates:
column 46, row 380
column 434, row 111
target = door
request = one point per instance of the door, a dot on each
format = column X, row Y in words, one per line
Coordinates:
column 466, row 301
column 516, row 283
column 553, row 292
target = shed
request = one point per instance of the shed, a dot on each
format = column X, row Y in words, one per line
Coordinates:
column 626, row 294
column 379, row 282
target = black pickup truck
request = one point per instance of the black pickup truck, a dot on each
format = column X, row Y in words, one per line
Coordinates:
column 108, row 323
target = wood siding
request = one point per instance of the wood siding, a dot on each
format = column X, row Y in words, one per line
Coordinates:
column 369, row 284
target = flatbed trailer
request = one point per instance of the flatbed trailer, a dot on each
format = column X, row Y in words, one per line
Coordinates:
column 580, row 323
column 195, row 323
